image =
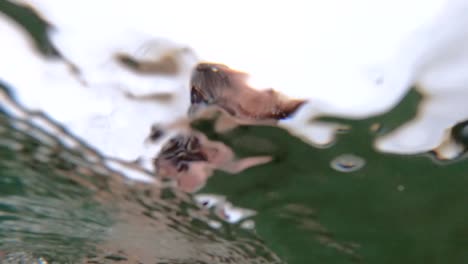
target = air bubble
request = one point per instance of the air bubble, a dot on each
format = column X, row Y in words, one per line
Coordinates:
column 347, row 163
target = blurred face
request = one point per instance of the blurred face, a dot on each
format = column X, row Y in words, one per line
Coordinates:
column 177, row 156
column 168, row 169
column 194, row 178
column 210, row 84
column 190, row 175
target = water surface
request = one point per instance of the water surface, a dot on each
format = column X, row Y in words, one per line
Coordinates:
column 59, row 202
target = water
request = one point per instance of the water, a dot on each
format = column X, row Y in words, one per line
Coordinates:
column 60, row 203
column 395, row 209
column 63, row 205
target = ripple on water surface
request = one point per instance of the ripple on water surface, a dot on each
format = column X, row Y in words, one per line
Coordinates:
column 63, row 205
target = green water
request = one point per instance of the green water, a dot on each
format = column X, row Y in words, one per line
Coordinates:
column 396, row 209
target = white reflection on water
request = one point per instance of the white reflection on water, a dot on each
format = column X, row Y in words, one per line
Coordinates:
column 351, row 59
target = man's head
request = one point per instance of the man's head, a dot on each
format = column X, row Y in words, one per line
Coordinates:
column 212, row 84
column 177, row 155
column 216, row 85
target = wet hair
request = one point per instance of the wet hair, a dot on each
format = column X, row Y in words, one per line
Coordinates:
column 208, row 80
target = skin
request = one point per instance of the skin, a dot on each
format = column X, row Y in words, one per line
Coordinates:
column 192, row 158
column 216, row 88
column 218, row 85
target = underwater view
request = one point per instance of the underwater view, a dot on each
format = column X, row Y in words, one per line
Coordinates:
column 96, row 167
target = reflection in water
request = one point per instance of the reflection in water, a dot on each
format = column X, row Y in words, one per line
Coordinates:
column 61, row 204
column 192, row 158
column 56, row 204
